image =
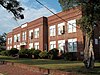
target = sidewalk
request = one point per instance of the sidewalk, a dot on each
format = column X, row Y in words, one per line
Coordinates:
column 13, row 70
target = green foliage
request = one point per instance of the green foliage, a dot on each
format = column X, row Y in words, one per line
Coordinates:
column 53, row 53
column 70, row 56
column 90, row 11
column 44, row 55
column 23, row 53
column 14, row 7
column 5, row 53
column 31, row 51
column 3, row 41
column 36, row 53
column 66, row 4
column 13, row 51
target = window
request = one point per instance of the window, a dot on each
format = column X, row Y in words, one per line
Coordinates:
column 10, row 47
column 15, row 38
column 52, row 30
column 24, row 36
column 18, row 47
column 31, row 35
column 61, row 45
column 18, row 37
column 52, row 44
column 14, row 46
column 36, row 33
column 61, row 28
column 30, row 45
column 72, row 26
column 72, row 45
column 96, row 41
column 36, row 45
column 9, row 40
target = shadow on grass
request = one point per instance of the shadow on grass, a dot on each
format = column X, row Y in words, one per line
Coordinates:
column 83, row 70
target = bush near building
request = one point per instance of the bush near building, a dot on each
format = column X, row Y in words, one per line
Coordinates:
column 53, row 53
column 44, row 55
column 36, row 54
column 5, row 53
column 13, row 52
column 70, row 56
column 23, row 53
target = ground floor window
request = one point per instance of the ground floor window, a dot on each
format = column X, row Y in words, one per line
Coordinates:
column 36, row 45
column 18, row 47
column 30, row 45
column 52, row 44
column 72, row 45
column 15, row 46
column 61, row 45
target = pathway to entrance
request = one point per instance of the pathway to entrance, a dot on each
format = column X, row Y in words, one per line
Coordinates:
column 13, row 70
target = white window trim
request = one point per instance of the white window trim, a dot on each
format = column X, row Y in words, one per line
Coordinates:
column 61, row 46
column 24, row 36
column 15, row 38
column 52, row 30
column 30, row 45
column 72, row 41
column 30, row 34
column 36, row 33
column 71, row 26
column 60, row 27
column 36, row 45
column 52, row 44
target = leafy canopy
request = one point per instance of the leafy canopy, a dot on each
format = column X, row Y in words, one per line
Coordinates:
column 90, row 11
column 14, row 7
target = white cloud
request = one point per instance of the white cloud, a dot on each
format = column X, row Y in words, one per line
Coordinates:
column 7, row 23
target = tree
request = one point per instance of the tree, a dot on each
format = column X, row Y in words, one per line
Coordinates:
column 3, row 41
column 89, row 20
column 14, row 7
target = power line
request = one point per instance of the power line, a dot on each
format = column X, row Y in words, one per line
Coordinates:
column 54, row 13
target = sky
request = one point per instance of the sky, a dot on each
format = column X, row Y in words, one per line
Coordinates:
column 33, row 10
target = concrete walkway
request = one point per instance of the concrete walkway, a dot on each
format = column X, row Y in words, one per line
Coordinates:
column 12, row 70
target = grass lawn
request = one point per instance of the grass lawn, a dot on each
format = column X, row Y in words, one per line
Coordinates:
column 70, row 66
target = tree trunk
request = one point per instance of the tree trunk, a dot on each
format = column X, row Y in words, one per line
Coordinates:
column 88, row 53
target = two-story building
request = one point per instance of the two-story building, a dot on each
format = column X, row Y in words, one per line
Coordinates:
column 56, row 31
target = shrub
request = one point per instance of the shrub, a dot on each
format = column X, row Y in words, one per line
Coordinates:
column 31, row 52
column 53, row 54
column 44, row 55
column 69, row 56
column 5, row 53
column 36, row 53
column 13, row 51
column 23, row 53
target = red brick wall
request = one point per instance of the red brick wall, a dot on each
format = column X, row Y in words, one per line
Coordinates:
column 71, row 14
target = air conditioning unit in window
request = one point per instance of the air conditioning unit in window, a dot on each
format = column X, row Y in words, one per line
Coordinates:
column 62, row 30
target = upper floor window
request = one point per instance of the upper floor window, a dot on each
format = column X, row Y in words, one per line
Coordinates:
column 36, row 33
column 18, row 37
column 31, row 34
column 52, row 30
column 61, row 28
column 10, row 40
column 72, row 45
column 71, row 26
column 24, row 36
column 15, row 38
column 52, row 44
column 61, row 45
